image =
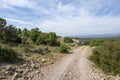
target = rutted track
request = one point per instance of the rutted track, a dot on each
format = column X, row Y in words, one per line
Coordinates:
column 74, row 66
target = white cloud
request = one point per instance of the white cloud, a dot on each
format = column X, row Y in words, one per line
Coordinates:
column 65, row 8
column 20, row 22
column 82, row 25
column 30, row 4
column 79, row 17
column 20, row 3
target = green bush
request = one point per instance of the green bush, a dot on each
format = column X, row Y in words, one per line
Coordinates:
column 95, row 42
column 63, row 48
column 68, row 40
column 47, row 39
column 7, row 54
column 34, row 33
column 52, row 39
column 107, row 57
column 41, row 39
column 58, row 43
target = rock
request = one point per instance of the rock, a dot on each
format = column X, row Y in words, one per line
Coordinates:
column 9, row 67
column 13, row 69
column 26, row 71
column 46, row 48
column 2, row 77
column 19, row 70
column 38, row 51
column 7, row 72
column 37, row 72
column 15, row 76
column 33, row 65
column 66, row 75
column 43, row 60
column 24, row 65
column 26, row 78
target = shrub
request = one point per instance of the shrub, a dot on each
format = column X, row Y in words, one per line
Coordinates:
column 7, row 54
column 63, row 48
column 57, row 43
column 41, row 39
column 52, row 39
column 68, row 40
column 95, row 42
column 34, row 34
column 47, row 39
column 106, row 57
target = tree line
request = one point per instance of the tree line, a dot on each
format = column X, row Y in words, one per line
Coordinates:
column 10, row 33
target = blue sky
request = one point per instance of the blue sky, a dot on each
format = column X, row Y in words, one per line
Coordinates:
column 65, row 17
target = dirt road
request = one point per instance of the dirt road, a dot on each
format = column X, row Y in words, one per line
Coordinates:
column 74, row 66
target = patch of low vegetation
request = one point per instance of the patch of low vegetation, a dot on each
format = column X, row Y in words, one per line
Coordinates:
column 95, row 42
column 7, row 54
column 107, row 56
column 68, row 40
column 63, row 48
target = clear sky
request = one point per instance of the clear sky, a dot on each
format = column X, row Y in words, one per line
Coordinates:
column 65, row 17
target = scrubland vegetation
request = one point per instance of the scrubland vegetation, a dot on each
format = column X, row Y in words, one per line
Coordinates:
column 68, row 40
column 15, row 42
column 7, row 54
column 64, row 49
column 106, row 55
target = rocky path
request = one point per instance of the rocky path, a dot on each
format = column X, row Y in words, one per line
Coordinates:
column 74, row 66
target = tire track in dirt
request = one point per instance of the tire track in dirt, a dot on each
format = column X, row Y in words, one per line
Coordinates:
column 73, row 66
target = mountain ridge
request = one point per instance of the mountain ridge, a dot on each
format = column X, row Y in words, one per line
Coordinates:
column 98, row 35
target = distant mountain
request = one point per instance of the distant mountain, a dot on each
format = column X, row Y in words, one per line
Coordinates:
column 98, row 35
